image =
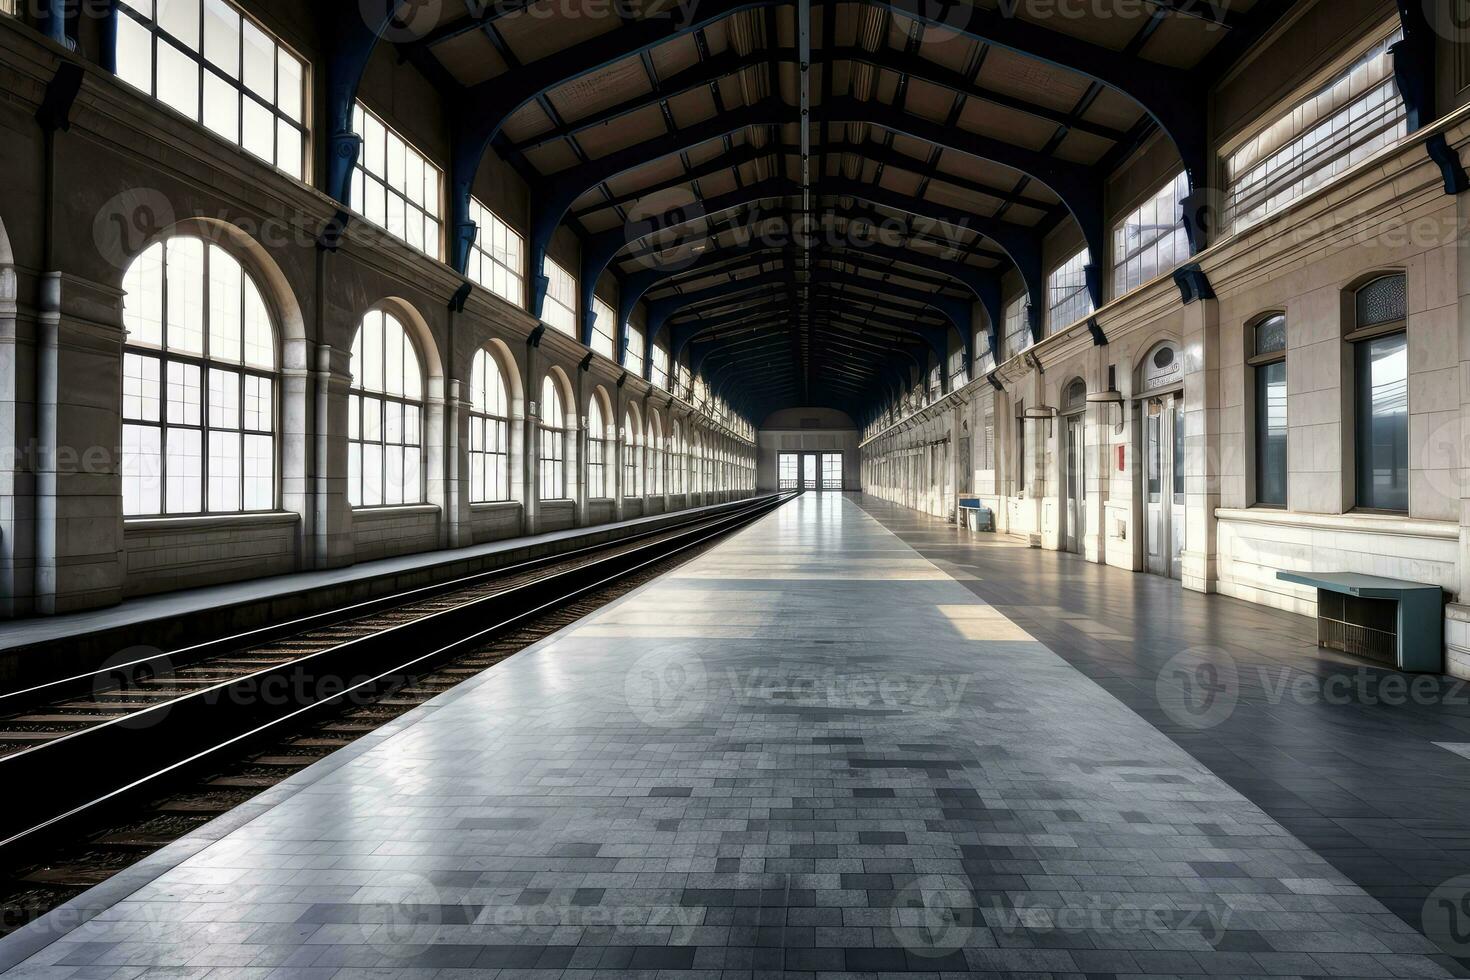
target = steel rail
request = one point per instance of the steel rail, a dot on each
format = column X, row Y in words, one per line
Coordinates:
column 55, row 783
column 113, row 676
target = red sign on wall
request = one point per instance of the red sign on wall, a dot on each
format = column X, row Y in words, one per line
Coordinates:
column 1122, row 451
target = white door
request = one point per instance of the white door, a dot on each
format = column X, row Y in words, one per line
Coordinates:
column 1163, row 484
column 1075, row 484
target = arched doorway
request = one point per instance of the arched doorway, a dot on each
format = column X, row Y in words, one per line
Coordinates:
column 1074, row 463
column 1160, row 408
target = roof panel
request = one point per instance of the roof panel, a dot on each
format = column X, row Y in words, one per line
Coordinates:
column 601, row 90
column 470, row 58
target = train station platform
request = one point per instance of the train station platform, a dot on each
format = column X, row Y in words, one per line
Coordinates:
column 44, row 648
column 809, row 750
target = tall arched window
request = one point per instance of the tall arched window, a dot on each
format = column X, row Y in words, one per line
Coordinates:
column 676, row 466
column 597, row 487
column 489, row 431
column 385, row 415
column 1380, row 340
column 632, row 457
column 199, row 390
column 654, row 456
column 553, row 458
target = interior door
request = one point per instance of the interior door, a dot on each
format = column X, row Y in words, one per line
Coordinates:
column 1076, row 484
column 1176, row 484
column 1156, row 513
column 1163, row 478
column 831, row 471
column 809, row 471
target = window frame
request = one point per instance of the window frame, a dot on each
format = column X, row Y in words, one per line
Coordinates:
column 557, row 278
column 483, row 460
column 597, row 486
column 358, row 397
column 204, row 363
column 604, row 328
column 361, row 176
column 1063, row 296
column 1174, row 191
column 1362, row 340
column 1262, row 364
column 551, row 444
column 129, row 11
column 488, row 224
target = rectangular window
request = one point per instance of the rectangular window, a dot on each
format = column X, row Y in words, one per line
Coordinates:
column 934, row 386
column 660, row 371
column 604, row 329
column 1383, row 422
column 1066, row 289
column 1271, row 434
column 395, row 186
column 497, row 258
column 1018, row 330
column 207, row 60
column 1335, row 128
column 553, row 464
column 633, row 358
column 1151, row 241
column 561, row 299
column 958, row 375
column 787, row 477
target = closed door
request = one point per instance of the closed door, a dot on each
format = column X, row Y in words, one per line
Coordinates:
column 831, row 471
column 1163, row 485
column 1075, row 484
column 809, row 471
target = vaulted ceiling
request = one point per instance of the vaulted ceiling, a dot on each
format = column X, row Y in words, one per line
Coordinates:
column 811, row 195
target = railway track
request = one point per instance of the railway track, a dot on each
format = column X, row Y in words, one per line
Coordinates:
column 81, row 746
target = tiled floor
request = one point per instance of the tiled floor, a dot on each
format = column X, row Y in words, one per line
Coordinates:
column 810, row 750
column 1369, row 767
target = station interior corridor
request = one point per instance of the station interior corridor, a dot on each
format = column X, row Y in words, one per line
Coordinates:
column 843, row 742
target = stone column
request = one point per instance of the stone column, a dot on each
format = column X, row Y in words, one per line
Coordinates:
column 1457, row 615
column 78, row 499
column 332, row 513
column 459, row 524
column 17, row 478
column 617, row 450
column 530, row 443
column 1202, row 447
column 582, row 410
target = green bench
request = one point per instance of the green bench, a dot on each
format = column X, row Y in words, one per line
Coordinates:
column 1384, row 619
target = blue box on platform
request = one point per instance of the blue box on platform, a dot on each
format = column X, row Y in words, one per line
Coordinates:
column 975, row 515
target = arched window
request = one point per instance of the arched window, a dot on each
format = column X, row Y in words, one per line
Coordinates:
column 489, row 431
column 1268, row 361
column 676, row 465
column 553, row 443
column 199, row 389
column 632, row 457
column 597, row 487
column 1380, row 342
column 385, row 415
column 655, row 456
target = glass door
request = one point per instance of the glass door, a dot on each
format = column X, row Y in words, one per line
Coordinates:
column 786, row 471
column 809, row 471
column 831, row 471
